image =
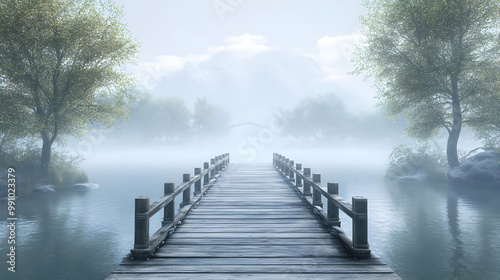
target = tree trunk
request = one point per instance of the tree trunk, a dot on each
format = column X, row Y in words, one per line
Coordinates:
column 452, row 147
column 45, row 162
column 456, row 128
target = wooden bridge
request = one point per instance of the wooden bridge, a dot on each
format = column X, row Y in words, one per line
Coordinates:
column 258, row 221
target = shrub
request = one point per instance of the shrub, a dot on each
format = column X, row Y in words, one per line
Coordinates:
column 425, row 159
column 25, row 158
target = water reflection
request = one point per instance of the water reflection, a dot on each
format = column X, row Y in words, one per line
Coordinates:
column 457, row 262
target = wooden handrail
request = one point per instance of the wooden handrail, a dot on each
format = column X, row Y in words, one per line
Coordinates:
column 144, row 245
column 302, row 179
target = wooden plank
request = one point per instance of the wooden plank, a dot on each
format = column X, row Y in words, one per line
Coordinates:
column 253, row 261
column 254, row 276
column 253, row 241
column 182, row 234
column 234, row 230
column 260, row 251
column 244, row 221
column 251, row 268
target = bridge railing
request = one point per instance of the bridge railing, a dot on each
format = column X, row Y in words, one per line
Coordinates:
column 144, row 244
column 303, row 180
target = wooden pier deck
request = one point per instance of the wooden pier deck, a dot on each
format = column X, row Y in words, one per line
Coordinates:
column 252, row 224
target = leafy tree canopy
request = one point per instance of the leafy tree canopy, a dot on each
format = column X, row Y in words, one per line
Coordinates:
column 62, row 66
column 435, row 62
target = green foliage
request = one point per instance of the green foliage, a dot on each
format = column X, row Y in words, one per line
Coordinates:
column 24, row 156
column 62, row 67
column 324, row 117
column 319, row 116
column 208, row 118
column 435, row 62
column 157, row 117
column 422, row 159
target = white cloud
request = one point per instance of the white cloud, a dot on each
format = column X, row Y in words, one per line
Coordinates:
column 243, row 46
column 246, row 45
column 335, row 53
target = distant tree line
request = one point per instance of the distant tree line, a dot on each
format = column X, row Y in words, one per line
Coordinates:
column 324, row 117
column 168, row 119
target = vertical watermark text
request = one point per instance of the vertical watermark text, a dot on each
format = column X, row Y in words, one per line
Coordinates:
column 11, row 219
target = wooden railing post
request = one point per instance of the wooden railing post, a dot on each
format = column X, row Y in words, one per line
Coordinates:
column 333, row 210
column 217, row 166
column 316, row 193
column 307, row 186
column 186, row 195
column 287, row 170
column 212, row 172
column 197, row 184
column 298, row 181
column 360, row 223
column 206, row 178
column 141, row 237
column 169, row 210
column 290, row 171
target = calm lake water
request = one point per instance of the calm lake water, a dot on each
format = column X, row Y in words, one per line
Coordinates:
column 422, row 231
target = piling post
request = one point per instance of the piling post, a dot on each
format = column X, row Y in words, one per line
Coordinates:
column 197, row 184
column 286, row 169
column 316, row 193
column 360, row 223
column 298, row 181
column 186, row 194
column 212, row 172
column 290, row 171
column 206, row 178
column 333, row 210
column 141, row 236
column 217, row 166
column 169, row 210
column 307, row 185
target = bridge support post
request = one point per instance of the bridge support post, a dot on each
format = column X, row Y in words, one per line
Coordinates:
column 197, row 184
column 141, row 236
column 307, row 186
column 298, row 180
column 285, row 167
column 316, row 194
column 169, row 210
column 212, row 172
column 333, row 210
column 206, row 178
column 360, row 223
column 290, row 171
column 186, row 195
column 217, row 166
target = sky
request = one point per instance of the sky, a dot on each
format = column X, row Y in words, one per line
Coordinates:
column 251, row 57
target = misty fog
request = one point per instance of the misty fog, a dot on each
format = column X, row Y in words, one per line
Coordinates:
column 253, row 79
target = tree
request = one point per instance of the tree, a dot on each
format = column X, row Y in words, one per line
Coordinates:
column 319, row 116
column 208, row 118
column 434, row 62
column 158, row 117
column 62, row 62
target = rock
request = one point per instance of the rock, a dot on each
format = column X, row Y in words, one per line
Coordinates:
column 417, row 177
column 482, row 169
column 84, row 186
column 43, row 189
